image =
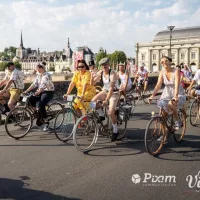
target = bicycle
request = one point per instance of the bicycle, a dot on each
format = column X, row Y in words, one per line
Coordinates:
column 195, row 111
column 139, row 93
column 128, row 101
column 3, row 110
column 64, row 132
column 160, row 127
column 20, row 120
column 90, row 126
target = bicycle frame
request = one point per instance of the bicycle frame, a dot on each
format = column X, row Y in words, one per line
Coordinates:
column 166, row 119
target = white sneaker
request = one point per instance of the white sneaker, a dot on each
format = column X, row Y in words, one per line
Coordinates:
column 46, row 127
column 177, row 125
column 160, row 139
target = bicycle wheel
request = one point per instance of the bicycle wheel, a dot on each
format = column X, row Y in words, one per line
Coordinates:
column 131, row 102
column 52, row 110
column 194, row 112
column 136, row 95
column 145, row 95
column 64, row 123
column 179, row 134
column 85, row 133
column 154, row 136
column 121, row 124
column 18, row 122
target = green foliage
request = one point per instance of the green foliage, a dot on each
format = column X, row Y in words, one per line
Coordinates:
column 117, row 57
column 99, row 56
column 109, row 56
column 18, row 65
column 3, row 66
column 52, row 69
column 9, row 53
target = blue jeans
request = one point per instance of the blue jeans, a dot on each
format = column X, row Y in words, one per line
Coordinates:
column 41, row 101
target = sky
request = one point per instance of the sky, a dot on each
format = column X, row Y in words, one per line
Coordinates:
column 111, row 24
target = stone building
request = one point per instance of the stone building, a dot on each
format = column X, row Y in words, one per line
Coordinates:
column 82, row 53
column 185, row 48
column 59, row 61
column 64, row 61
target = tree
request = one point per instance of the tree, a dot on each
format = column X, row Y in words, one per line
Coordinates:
column 118, row 56
column 52, row 68
column 3, row 66
column 11, row 52
column 18, row 65
column 99, row 56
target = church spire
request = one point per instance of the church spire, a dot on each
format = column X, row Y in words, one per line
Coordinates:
column 68, row 44
column 21, row 43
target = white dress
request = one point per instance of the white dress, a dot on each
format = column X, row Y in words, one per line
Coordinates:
column 169, row 90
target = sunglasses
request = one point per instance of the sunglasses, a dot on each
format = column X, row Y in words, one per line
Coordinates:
column 81, row 66
column 164, row 61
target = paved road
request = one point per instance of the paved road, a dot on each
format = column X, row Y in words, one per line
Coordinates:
column 41, row 167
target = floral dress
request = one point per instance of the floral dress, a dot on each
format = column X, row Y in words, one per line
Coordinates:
column 79, row 80
column 168, row 92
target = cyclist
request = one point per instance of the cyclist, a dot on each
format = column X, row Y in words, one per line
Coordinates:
column 43, row 94
column 124, row 78
column 14, row 85
column 85, row 91
column 187, row 76
column 142, row 77
column 110, row 92
column 196, row 80
column 173, row 95
column 93, row 71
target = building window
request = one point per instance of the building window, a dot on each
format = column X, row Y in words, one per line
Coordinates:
column 193, row 55
column 143, row 57
column 154, row 56
column 163, row 54
column 173, row 56
column 182, row 56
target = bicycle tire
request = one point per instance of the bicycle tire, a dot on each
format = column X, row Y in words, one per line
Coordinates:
column 182, row 118
column 194, row 112
column 151, row 139
column 145, row 95
column 63, row 129
column 52, row 110
column 133, row 104
column 17, row 116
column 89, row 135
column 122, row 132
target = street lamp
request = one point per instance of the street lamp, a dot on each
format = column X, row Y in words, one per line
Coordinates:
column 170, row 28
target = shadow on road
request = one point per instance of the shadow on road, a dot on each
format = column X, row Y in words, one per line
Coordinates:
column 16, row 189
column 187, row 150
column 141, row 116
column 131, row 145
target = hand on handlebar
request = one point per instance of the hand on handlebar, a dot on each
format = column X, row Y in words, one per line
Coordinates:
column 175, row 100
column 105, row 103
column 150, row 99
column 65, row 96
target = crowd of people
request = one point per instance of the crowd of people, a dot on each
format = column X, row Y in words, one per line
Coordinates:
column 114, row 83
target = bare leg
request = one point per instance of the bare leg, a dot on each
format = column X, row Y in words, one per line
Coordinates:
column 145, row 85
column 174, row 110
